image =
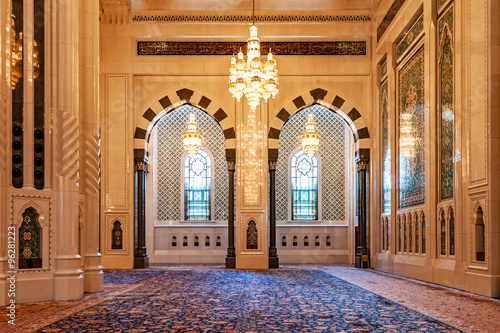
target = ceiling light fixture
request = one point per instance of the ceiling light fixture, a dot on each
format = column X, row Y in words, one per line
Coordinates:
column 252, row 78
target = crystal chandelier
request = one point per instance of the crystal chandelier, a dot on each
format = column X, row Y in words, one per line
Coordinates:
column 192, row 138
column 310, row 138
column 252, row 78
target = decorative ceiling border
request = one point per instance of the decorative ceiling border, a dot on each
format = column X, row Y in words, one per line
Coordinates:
column 146, row 47
column 391, row 14
column 147, row 18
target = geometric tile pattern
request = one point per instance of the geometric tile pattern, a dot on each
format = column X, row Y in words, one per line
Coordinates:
column 410, row 36
column 446, row 104
column 169, row 149
column 412, row 131
column 213, row 300
column 386, row 149
column 332, row 150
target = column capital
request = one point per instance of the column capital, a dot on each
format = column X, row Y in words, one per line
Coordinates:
column 142, row 165
column 231, row 165
column 272, row 165
column 363, row 165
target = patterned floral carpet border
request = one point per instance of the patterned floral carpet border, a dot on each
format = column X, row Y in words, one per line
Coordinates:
column 243, row 301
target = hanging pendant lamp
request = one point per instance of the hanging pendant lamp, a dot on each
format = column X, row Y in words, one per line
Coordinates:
column 310, row 138
column 192, row 137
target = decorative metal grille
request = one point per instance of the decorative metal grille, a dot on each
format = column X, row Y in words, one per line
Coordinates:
column 168, row 163
column 332, row 153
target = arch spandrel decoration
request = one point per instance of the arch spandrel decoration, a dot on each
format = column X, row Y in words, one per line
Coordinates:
column 338, row 105
column 164, row 105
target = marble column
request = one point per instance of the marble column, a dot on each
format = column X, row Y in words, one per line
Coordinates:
column 68, row 278
column 90, row 141
column 362, row 251
column 231, row 254
column 141, row 259
column 273, row 255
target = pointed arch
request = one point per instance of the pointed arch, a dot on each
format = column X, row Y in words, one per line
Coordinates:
column 168, row 103
column 338, row 105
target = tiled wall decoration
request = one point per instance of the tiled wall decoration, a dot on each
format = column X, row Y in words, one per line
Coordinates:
column 386, row 149
column 248, row 18
column 227, row 48
column 441, row 3
column 332, row 153
column 446, row 104
column 412, row 131
column 389, row 17
column 411, row 36
column 29, row 240
column 169, row 151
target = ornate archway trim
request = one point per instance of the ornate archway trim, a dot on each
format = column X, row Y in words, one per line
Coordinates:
column 322, row 97
column 172, row 101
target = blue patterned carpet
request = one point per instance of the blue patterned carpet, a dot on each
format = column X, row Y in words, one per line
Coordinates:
column 243, row 301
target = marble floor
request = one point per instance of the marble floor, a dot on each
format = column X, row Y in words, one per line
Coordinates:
column 448, row 309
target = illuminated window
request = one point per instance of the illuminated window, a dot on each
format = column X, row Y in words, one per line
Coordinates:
column 283, row 241
column 304, row 186
column 197, row 186
column 207, row 241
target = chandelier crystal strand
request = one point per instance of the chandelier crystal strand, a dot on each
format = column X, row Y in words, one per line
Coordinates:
column 310, row 138
column 252, row 78
column 192, row 138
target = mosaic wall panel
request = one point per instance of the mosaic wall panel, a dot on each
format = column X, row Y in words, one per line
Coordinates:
column 332, row 152
column 386, row 149
column 410, row 36
column 441, row 3
column 29, row 235
column 169, row 153
column 412, row 131
column 383, row 69
column 446, row 104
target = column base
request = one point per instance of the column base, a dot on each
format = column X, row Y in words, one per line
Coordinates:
column 230, row 262
column 93, row 275
column 68, row 278
column 141, row 262
column 362, row 259
column 274, row 262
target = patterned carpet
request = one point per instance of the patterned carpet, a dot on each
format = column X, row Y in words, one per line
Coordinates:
column 215, row 300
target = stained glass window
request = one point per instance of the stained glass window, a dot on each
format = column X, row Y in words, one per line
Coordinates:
column 304, row 184
column 197, row 185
